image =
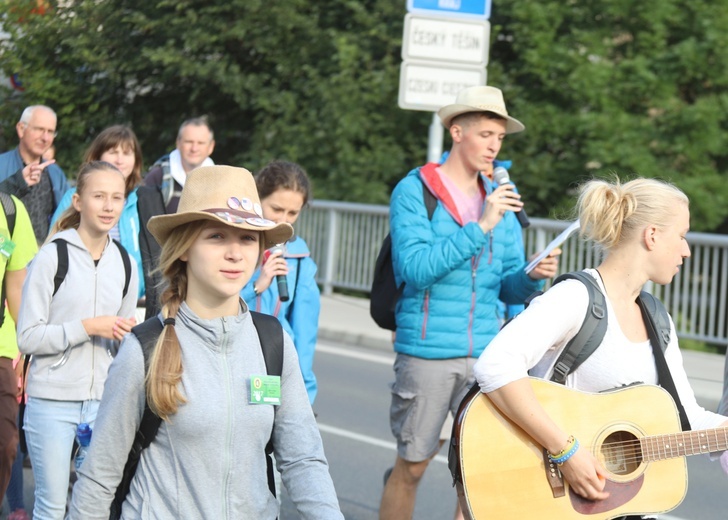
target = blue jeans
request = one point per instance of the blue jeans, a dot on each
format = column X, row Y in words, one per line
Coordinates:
column 14, row 494
column 50, row 428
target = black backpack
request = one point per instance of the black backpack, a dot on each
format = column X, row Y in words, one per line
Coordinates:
column 385, row 293
column 270, row 333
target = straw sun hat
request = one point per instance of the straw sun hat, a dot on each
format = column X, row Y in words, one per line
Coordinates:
column 480, row 99
column 223, row 194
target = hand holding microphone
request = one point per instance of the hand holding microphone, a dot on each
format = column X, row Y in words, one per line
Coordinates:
column 274, row 266
column 281, row 279
column 501, row 177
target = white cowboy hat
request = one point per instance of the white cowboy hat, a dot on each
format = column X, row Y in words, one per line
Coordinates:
column 480, row 99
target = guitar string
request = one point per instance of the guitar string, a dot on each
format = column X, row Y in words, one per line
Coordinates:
column 662, row 447
column 654, row 448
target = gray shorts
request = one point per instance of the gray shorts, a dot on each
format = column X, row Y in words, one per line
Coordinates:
column 423, row 393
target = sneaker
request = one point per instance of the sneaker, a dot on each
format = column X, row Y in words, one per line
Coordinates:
column 19, row 514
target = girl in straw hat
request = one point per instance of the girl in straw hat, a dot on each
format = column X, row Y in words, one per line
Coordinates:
column 208, row 458
column 73, row 332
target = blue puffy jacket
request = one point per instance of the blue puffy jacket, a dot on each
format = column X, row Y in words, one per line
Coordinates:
column 300, row 314
column 454, row 273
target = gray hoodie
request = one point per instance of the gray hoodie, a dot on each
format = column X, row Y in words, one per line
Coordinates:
column 209, row 460
column 67, row 363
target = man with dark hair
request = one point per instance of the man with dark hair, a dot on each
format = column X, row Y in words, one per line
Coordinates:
column 455, row 267
column 24, row 172
column 195, row 143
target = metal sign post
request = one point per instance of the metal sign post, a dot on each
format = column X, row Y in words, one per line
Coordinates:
column 444, row 50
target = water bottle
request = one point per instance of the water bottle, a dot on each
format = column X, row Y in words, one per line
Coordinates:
column 83, row 434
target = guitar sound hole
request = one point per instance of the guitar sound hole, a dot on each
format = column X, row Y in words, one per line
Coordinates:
column 621, row 453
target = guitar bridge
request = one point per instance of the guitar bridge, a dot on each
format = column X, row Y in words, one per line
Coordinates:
column 554, row 477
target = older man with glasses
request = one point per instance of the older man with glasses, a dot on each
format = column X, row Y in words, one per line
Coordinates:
column 38, row 182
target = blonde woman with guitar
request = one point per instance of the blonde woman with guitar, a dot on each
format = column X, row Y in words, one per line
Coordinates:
column 593, row 453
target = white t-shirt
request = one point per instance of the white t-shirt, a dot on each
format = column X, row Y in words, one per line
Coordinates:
column 531, row 344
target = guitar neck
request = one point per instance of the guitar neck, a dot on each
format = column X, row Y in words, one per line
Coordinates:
column 660, row 447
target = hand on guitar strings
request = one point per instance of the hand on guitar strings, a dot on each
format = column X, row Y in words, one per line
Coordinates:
column 585, row 475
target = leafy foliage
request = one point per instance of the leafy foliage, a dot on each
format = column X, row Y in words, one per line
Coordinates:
column 603, row 86
column 614, row 86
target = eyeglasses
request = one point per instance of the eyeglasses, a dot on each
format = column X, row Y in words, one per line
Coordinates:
column 42, row 131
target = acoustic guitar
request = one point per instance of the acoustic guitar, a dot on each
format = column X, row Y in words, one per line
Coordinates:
column 634, row 432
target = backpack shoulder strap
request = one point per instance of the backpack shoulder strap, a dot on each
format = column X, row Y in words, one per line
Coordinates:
column 127, row 266
column 430, row 201
column 8, row 205
column 656, row 312
column 62, row 268
column 147, row 333
column 270, row 333
column 167, row 186
column 657, row 322
column 590, row 334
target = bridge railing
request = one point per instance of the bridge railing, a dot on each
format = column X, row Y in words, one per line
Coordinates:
column 345, row 238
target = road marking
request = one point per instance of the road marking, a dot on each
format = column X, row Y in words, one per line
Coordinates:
column 382, row 359
column 366, row 439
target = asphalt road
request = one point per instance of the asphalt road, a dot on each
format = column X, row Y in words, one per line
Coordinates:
column 352, row 407
column 353, row 415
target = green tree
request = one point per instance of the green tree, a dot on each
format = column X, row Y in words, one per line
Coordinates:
column 615, row 86
column 313, row 82
column 603, row 86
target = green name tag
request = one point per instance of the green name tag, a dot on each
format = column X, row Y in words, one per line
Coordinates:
column 7, row 246
column 265, row 390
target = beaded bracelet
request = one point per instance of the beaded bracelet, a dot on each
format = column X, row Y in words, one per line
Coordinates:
column 560, row 460
column 569, row 444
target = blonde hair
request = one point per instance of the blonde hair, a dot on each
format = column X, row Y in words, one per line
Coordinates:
column 71, row 218
column 611, row 212
column 165, row 367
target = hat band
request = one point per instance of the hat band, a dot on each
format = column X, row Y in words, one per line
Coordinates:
column 239, row 217
column 231, row 212
column 496, row 109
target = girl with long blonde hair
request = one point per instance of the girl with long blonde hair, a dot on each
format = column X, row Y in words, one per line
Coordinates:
column 207, row 380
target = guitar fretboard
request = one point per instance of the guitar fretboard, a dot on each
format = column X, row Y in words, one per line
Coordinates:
column 668, row 446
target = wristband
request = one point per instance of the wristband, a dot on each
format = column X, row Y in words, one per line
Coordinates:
column 560, row 460
column 255, row 290
column 569, row 444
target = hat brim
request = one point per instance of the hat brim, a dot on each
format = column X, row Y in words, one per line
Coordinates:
column 449, row 112
column 162, row 225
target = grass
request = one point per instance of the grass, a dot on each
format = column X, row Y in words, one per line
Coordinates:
column 701, row 346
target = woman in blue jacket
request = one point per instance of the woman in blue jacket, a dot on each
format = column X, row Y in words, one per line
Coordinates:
column 284, row 190
column 118, row 145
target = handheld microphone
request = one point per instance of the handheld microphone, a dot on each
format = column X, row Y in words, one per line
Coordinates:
column 501, row 177
column 281, row 279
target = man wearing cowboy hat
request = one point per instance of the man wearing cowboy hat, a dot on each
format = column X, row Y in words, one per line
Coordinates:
column 455, row 267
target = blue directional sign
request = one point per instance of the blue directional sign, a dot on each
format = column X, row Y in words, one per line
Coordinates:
column 464, row 8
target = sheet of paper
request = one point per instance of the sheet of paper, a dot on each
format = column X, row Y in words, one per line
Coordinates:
column 556, row 242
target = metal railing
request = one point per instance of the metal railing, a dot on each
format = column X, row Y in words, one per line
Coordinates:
column 345, row 239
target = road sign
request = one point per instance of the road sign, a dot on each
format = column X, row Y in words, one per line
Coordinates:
column 452, row 40
column 463, row 8
column 430, row 85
